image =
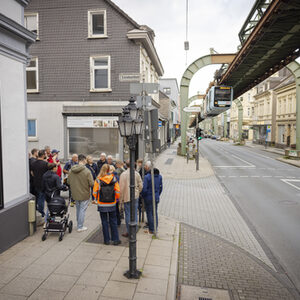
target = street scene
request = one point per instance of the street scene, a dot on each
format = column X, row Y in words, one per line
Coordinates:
column 150, row 150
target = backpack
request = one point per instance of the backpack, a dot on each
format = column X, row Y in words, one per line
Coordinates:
column 107, row 191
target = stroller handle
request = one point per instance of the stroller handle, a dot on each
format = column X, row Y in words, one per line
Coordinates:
column 63, row 188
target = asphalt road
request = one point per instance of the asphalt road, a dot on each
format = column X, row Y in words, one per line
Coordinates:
column 268, row 193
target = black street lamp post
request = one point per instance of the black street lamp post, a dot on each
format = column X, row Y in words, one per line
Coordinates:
column 130, row 126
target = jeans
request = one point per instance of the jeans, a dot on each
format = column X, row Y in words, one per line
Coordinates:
column 81, row 207
column 41, row 202
column 127, row 212
column 118, row 214
column 109, row 218
column 149, row 212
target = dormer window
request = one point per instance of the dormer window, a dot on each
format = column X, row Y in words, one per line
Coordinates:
column 97, row 24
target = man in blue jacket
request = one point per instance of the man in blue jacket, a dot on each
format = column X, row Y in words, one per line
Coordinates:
column 147, row 195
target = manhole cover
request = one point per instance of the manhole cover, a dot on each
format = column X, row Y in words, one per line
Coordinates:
column 288, row 202
column 197, row 293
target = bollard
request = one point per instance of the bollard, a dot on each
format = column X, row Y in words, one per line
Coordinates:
column 31, row 216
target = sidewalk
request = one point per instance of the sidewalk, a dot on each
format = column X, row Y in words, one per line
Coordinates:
column 281, row 152
column 75, row 269
column 220, row 257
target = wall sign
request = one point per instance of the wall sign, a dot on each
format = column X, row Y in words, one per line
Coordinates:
column 92, row 122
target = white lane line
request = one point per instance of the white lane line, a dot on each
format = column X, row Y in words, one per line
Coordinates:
column 246, row 162
column 232, row 167
column 290, row 177
column 288, row 181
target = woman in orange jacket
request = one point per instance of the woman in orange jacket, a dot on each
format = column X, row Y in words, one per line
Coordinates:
column 106, row 192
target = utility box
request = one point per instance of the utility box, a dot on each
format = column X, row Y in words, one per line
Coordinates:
column 31, row 216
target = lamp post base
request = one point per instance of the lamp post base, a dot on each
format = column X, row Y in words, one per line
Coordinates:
column 133, row 275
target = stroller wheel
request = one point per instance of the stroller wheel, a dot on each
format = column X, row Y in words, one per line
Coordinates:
column 44, row 236
column 70, row 226
column 61, row 236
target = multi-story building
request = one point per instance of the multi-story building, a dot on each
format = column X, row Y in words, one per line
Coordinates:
column 169, row 87
column 286, row 112
column 79, row 76
column 14, row 172
column 264, row 120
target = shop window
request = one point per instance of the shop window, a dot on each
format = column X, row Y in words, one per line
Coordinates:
column 100, row 73
column 31, row 22
column 93, row 135
column 97, row 24
column 31, row 128
column 32, row 76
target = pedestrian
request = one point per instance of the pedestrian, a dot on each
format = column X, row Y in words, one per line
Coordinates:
column 48, row 152
column 51, row 182
column 139, row 166
column 101, row 162
column 32, row 159
column 113, row 171
column 91, row 166
column 39, row 167
column 147, row 195
column 107, row 191
column 119, row 168
column 110, row 160
column 69, row 164
column 125, row 194
column 54, row 159
column 80, row 180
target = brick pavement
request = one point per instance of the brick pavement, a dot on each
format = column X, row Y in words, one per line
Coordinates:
column 210, row 262
column 198, row 199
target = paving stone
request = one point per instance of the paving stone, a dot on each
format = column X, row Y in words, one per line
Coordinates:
column 72, row 269
column 57, row 282
column 156, row 272
column 158, row 260
column 152, row 286
column 118, row 275
column 7, row 274
column 47, row 295
column 119, row 289
column 93, row 278
column 79, row 292
column 11, row 297
column 21, row 286
column 207, row 261
column 163, row 251
column 37, row 271
column 109, row 254
column 142, row 296
column 100, row 265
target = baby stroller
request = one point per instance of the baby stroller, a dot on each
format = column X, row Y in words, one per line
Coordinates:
column 58, row 217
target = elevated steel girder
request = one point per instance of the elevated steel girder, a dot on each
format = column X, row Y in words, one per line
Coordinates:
column 272, row 45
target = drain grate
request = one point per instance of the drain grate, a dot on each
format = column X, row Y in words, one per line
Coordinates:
column 169, row 161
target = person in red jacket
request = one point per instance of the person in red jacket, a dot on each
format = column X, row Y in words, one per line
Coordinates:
column 54, row 159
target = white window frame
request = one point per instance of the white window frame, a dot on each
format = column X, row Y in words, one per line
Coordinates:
column 36, row 68
column 92, row 73
column 33, row 138
column 37, row 23
column 90, row 24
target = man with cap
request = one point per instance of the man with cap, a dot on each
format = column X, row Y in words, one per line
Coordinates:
column 54, row 159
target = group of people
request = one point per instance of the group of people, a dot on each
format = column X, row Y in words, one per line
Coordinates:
column 106, row 183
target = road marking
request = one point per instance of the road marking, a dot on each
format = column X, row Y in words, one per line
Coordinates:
column 246, row 162
column 288, row 181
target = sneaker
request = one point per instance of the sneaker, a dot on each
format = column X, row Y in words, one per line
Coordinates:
column 82, row 229
column 107, row 243
column 125, row 234
column 116, row 243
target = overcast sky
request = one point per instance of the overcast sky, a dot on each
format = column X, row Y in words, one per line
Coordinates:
column 212, row 24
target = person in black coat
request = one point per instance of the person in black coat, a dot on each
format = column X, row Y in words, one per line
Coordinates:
column 102, row 161
column 52, row 182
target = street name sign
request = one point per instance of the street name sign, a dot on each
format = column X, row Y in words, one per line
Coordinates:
column 190, row 109
column 129, row 77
